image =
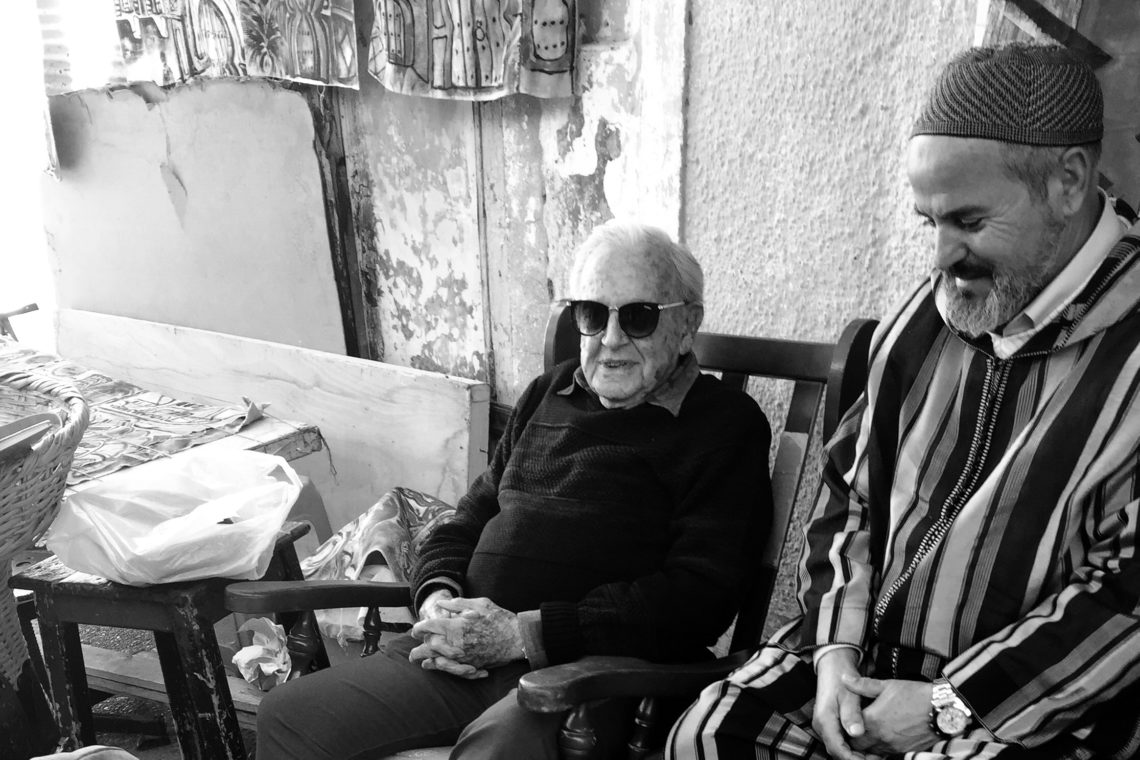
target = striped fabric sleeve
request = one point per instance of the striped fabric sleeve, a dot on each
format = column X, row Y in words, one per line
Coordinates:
column 1075, row 649
column 837, row 575
column 836, row 571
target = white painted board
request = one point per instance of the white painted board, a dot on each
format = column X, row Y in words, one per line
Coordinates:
column 384, row 425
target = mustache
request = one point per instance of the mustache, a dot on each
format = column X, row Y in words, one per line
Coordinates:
column 966, row 270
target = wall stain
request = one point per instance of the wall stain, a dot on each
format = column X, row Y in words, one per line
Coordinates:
column 447, row 303
column 570, row 131
column 406, row 283
column 366, row 227
column 580, row 199
column 473, row 367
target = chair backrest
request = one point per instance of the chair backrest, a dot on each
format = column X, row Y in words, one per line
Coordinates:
column 830, row 373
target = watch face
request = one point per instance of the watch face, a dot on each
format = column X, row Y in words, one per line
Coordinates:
column 951, row 721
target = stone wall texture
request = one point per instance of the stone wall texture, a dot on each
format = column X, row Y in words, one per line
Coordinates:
column 795, row 196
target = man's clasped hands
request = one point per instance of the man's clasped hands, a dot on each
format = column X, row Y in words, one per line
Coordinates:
column 464, row 637
column 861, row 718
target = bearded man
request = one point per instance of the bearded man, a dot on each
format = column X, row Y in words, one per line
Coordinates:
column 969, row 583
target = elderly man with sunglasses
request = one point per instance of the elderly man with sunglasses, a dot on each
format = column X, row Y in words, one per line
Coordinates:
column 615, row 518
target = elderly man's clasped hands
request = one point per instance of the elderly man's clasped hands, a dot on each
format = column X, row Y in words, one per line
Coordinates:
column 464, row 637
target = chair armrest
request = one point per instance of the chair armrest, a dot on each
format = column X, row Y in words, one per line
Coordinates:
column 299, row 596
column 563, row 687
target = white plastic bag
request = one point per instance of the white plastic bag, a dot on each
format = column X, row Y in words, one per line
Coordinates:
column 195, row 515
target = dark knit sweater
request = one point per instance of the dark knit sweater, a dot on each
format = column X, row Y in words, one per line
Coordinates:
column 630, row 529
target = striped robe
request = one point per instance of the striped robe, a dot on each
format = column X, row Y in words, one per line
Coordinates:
column 977, row 520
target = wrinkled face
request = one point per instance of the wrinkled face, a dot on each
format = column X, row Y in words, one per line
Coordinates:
column 620, row 369
column 995, row 245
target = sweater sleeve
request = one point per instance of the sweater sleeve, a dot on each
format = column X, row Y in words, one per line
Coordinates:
column 686, row 604
column 1075, row 649
column 447, row 552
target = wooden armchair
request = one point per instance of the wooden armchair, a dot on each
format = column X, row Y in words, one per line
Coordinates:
column 831, row 375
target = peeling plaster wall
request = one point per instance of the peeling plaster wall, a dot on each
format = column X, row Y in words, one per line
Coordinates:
column 413, row 168
column 796, row 200
column 555, row 169
column 519, row 289
column 791, row 144
column 467, row 214
column 200, row 205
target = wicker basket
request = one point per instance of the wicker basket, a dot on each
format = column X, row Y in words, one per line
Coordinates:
column 31, row 487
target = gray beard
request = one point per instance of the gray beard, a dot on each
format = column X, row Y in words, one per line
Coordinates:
column 975, row 316
column 1011, row 291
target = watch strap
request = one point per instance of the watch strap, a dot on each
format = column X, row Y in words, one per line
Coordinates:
column 947, row 708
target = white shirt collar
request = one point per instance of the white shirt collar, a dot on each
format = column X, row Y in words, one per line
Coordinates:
column 1060, row 292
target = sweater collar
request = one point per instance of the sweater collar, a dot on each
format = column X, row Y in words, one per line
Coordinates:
column 670, row 395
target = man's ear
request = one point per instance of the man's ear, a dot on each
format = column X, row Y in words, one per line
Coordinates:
column 694, row 315
column 1077, row 179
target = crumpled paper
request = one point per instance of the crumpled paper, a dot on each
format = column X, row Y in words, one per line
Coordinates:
column 265, row 662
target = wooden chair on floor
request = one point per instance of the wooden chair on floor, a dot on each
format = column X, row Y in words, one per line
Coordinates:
column 827, row 374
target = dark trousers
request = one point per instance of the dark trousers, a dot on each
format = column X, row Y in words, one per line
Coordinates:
column 375, row 706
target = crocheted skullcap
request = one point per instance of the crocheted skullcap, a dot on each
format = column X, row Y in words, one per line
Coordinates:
column 1016, row 93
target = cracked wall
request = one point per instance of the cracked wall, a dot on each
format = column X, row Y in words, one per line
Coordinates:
column 198, row 205
column 570, row 165
column 467, row 214
column 413, row 169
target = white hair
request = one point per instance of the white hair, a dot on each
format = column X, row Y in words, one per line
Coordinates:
column 635, row 237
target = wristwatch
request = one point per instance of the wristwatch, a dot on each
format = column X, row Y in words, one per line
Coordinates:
column 949, row 716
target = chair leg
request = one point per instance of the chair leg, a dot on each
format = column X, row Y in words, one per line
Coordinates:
column 26, row 610
column 372, row 630
column 645, row 722
column 577, row 738
column 202, row 708
column 304, row 645
column 67, row 677
column 27, row 722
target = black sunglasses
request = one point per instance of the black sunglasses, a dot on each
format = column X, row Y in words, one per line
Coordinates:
column 637, row 320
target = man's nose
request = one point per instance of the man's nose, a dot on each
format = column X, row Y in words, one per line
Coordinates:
column 948, row 246
column 613, row 335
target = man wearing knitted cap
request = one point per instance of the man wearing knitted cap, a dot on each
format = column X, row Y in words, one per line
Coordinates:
column 969, row 581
